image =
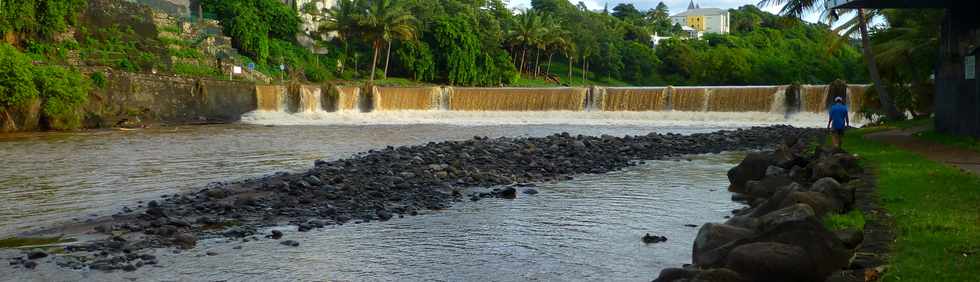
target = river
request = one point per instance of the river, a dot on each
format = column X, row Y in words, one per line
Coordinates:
column 583, row 229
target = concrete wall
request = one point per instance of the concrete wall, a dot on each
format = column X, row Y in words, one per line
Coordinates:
column 163, row 99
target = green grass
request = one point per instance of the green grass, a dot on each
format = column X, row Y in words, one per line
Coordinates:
column 936, row 209
column 851, row 220
column 965, row 142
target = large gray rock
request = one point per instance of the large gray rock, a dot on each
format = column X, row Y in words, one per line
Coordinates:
column 753, row 167
column 776, row 201
column 771, row 261
column 797, row 212
column 676, row 274
column 818, row 201
column 713, row 235
column 718, row 275
column 843, row 196
column 775, row 170
column 744, row 221
column 767, row 186
column 826, row 252
column 828, row 167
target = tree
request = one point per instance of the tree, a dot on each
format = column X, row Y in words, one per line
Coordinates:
column 385, row 21
column 659, row 19
column 626, row 12
column 342, row 20
column 798, row 8
column 525, row 33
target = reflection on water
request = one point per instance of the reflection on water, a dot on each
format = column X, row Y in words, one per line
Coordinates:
column 50, row 177
column 586, row 229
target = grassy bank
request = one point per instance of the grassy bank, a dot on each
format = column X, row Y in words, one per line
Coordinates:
column 930, row 134
column 936, row 208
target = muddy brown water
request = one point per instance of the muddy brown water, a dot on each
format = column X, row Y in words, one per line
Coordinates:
column 583, row 229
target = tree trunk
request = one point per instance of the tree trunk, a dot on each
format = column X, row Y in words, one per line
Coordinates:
column 583, row 68
column 548, row 72
column 374, row 61
column 523, row 54
column 569, row 70
column 537, row 60
column 387, row 58
column 869, row 59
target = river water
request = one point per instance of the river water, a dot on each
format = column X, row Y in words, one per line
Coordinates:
column 583, row 229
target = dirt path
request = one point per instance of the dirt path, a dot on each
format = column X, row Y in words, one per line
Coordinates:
column 904, row 138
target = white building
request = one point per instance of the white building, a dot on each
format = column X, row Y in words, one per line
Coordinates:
column 310, row 22
column 702, row 20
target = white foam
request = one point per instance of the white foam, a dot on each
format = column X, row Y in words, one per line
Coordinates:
column 475, row 118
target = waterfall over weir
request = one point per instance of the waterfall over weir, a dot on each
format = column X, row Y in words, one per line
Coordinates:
column 767, row 104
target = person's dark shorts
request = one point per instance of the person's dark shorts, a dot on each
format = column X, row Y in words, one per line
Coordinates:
column 839, row 131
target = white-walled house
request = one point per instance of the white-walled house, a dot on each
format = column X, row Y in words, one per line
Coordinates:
column 703, row 20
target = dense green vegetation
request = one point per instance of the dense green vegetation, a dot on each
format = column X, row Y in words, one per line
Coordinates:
column 484, row 43
column 265, row 31
column 61, row 91
column 38, row 19
column 935, row 208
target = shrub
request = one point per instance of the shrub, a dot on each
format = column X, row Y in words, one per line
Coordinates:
column 16, row 77
column 98, row 79
column 63, row 91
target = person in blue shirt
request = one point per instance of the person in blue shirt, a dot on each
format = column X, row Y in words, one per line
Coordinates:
column 838, row 121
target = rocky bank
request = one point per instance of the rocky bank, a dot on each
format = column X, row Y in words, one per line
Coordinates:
column 375, row 185
column 780, row 236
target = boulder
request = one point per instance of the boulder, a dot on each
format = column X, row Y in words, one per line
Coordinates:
column 718, row 275
column 776, row 201
column 775, row 170
column 786, row 157
column 753, row 167
column 676, row 274
column 828, row 167
column 744, row 221
column 849, row 162
column 843, row 196
column 821, row 204
column 36, row 255
column 767, row 186
column 796, row 212
column 712, row 236
column 850, row 237
column 771, row 261
column 508, row 193
column 826, row 252
column 185, row 240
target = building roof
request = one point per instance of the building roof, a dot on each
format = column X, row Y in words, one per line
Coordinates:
column 702, row 12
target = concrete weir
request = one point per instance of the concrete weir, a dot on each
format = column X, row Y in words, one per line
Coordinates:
column 778, row 99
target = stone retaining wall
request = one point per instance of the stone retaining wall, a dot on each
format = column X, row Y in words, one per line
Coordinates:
column 780, row 236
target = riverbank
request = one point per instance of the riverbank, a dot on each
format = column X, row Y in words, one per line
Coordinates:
column 935, row 210
column 812, row 215
column 379, row 185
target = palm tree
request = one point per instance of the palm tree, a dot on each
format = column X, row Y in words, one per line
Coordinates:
column 569, row 49
column 526, row 33
column 798, row 8
column 557, row 40
column 385, row 21
column 343, row 22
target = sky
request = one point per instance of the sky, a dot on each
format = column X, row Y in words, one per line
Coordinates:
column 675, row 6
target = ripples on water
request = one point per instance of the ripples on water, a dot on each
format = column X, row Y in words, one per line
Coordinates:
column 585, row 229
column 51, row 177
